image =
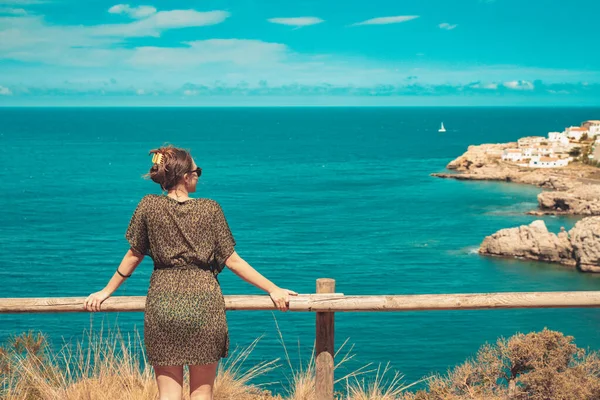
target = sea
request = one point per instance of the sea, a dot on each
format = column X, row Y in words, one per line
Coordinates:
column 314, row 192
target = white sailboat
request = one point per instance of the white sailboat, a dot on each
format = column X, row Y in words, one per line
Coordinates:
column 442, row 129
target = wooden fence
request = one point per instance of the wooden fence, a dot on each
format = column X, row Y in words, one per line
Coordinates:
column 325, row 302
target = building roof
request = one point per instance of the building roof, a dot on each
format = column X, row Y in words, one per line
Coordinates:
column 577, row 128
column 513, row 151
column 548, row 159
column 594, row 121
column 532, row 137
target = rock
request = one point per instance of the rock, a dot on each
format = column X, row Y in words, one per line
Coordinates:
column 585, row 239
column 578, row 183
column 582, row 200
column 531, row 241
column 479, row 156
column 580, row 247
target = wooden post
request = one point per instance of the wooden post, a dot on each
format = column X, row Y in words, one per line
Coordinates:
column 324, row 346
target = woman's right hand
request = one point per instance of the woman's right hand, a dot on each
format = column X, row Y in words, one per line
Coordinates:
column 95, row 300
column 281, row 298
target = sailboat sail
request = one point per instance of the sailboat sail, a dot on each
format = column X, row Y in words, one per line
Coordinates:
column 442, row 129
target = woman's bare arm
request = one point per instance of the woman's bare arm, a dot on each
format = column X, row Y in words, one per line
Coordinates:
column 245, row 271
column 129, row 263
column 279, row 296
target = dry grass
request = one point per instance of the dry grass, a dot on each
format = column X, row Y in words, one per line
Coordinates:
column 539, row 366
column 113, row 367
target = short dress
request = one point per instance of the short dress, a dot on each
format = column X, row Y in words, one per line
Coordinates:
column 189, row 242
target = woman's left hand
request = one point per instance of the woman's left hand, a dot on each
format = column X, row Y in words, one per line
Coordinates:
column 281, row 298
column 94, row 300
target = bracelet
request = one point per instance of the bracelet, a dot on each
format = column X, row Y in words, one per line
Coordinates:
column 124, row 276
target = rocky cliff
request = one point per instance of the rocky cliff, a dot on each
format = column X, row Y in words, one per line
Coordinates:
column 577, row 186
column 579, row 247
column 581, row 200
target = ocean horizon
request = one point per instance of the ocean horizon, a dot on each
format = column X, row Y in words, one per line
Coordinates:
column 309, row 192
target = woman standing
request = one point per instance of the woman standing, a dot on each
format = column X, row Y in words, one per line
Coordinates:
column 190, row 242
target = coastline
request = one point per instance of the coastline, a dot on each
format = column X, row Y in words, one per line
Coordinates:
column 572, row 190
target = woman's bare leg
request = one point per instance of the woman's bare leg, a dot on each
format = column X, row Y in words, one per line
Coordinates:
column 202, row 379
column 170, row 382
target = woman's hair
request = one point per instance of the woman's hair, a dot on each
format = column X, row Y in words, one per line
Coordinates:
column 168, row 170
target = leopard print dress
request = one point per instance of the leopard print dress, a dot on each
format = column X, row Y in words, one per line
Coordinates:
column 189, row 242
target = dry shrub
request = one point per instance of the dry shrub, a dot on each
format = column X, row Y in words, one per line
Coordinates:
column 543, row 365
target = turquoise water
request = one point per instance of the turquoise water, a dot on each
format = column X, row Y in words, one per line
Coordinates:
column 343, row 193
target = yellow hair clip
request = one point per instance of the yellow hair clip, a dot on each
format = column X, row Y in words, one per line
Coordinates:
column 157, row 158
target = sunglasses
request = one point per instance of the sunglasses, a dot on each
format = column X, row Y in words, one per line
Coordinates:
column 197, row 171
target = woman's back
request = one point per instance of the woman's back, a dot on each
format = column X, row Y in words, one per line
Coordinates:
column 178, row 234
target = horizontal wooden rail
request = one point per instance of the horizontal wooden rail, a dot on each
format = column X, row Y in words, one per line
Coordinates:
column 333, row 302
column 325, row 303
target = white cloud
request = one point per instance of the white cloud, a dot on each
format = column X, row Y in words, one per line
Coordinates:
column 519, row 85
column 387, row 20
column 298, row 21
column 489, row 86
column 140, row 92
column 235, row 51
column 30, row 38
column 23, row 2
column 134, row 12
column 12, row 11
column 189, row 92
column 4, row 91
column 447, row 26
column 163, row 20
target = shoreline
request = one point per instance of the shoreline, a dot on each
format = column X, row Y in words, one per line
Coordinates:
column 570, row 190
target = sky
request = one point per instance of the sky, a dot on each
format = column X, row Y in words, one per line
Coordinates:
column 303, row 52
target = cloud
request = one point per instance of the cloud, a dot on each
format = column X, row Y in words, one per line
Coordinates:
column 31, row 39
column 12, row 11
column 160, row 21
column 519, row 85
column 386, row 20
column 134, row 12
column 140, row 92
column 480, row 85
column 447, row 26
column 297, row 21
column 198, row 52
column 4, row 91
column 23, row 2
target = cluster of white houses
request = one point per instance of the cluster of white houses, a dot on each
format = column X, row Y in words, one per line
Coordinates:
column 553, row 151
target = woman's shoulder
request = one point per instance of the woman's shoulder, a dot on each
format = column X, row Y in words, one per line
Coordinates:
column 210, row 203
column 205, row 202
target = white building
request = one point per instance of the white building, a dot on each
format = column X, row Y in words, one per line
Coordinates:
column 535, row 151
column 558, row 137
column 529, row 141
column 545, row 150
column 548, row 162
column 576, row 132
column 593, row 126
column 512, row 155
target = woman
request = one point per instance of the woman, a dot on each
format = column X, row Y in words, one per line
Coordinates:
column 190, row 243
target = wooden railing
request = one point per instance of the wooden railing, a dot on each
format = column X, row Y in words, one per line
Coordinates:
column 325, row 302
